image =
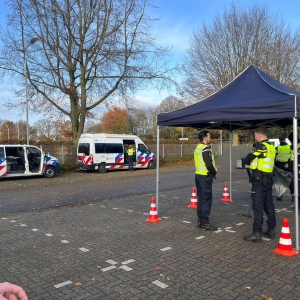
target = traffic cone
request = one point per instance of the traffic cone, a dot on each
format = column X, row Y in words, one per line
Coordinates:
column 153, row 216
column 226, row 197
column 194, row 200
column 285, row 246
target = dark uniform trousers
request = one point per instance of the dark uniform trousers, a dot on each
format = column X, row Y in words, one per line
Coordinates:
column 130, row 162
column 262, row 201
column 204, row 195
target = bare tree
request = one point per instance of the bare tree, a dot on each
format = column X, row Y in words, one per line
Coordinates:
column 169, row 104
column 219, row 51
column 82, row 52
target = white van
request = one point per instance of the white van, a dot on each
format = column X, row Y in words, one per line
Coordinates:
column 26, row 160
column 104, row 152
column 276, row 142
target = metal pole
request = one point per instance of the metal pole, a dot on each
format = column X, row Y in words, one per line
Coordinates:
column 230, row 165
column 157, row 167
column 221, row 143
column 18, row 132
column 26, row 95
column 296, row 194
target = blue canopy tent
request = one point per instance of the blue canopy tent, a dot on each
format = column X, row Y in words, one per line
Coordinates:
column 252, row 99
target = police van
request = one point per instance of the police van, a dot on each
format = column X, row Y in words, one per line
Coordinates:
column 102, row 152
column 26, row 160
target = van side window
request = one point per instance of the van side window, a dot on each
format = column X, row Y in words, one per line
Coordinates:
column 1, row 152
column 142, row 148
column 84, row 148
column 99, row 148
column 114, row 148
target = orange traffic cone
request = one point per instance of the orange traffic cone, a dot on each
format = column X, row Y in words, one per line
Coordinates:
column 153, row 216
column 194, row 200
column 226, row 197
column 285, row 246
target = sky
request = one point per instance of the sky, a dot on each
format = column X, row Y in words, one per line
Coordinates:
column 178, row 19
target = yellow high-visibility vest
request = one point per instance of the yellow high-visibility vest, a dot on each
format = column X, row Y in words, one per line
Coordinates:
column 283, row 153
column 266, row 163
column 130, row 151
column 200, row 165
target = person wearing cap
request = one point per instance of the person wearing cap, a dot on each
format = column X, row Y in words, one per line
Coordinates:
column 261, row 161
column 206, row 170
column 283, row 157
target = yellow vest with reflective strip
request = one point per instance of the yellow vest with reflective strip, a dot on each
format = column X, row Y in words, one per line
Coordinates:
column 199, row 161
column 283, row 153
column 265, row 164
column 130, row 151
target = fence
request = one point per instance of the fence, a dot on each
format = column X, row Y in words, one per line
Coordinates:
column 67, row 153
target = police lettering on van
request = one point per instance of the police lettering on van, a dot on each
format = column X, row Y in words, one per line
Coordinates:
column 104, row 152
column 26, row 160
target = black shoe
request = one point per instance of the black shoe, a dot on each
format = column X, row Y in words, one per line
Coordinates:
column 255, row 237
column 269, row 233
column 208, row 226
column 199, row 223
column 279, row 198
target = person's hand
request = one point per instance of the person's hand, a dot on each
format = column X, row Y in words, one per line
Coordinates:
column 286, row 165
column 10, row 291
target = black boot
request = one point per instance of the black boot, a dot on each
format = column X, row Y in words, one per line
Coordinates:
column 269, row 233
column 279, row 198
column 199, row 223
column 207, row 226
column 255, row 237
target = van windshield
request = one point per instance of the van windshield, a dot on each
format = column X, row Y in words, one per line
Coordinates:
column 143, row 148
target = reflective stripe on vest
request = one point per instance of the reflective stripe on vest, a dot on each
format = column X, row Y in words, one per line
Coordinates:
column 199, row 161
column 265, row 164
column 284, row 153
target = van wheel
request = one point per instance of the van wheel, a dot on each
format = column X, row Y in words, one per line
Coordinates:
column 50, row 172
column 151, row 164
column 102, row 168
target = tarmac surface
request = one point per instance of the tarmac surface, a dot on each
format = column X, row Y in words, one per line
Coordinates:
column 103, row 248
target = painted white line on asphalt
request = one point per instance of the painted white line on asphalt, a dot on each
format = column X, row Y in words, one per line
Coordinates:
column 129, row 210
column 227, row 228
column 265, row 239
column 165, row 249
column 127, row 261
column 230, row 231
column 13, row 221
column 165, row 217
column 186, row 222
column 23, row 225
column 63, row 284
column 91, row 204
column 49, row 234
column 102, row 205
column 125, row 268
column 84, row 249
column 146, row 214
column 34, row 229
column 115, row 208
column 162, row 195
column 238, row 224
column 175, row 197
column 218, row 231
column 160, row 284
column 200, row 237
column 64, row 241
column 3, row 218
column 108, row 268
column 149, row 194
column 112, row 262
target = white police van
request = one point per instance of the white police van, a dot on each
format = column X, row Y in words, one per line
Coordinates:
column 102, row 152
column 26, row 160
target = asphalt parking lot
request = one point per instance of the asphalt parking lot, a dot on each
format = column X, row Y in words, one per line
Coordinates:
column 104, row 249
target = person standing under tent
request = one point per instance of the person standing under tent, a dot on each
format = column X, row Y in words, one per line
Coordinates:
column 261, row 162
column 283, row 157
column 206, row 170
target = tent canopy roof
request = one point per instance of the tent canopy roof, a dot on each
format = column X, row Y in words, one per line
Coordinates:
column 252, row 99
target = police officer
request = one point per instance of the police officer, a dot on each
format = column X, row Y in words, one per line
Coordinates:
column 261, row 161
column 205, row 171
column 130, row 153
column 283, row 157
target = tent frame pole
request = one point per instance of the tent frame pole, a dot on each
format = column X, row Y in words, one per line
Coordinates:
column 157, row 167
column 296, row 191
column 230, row 165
